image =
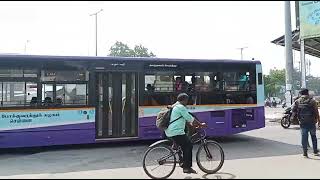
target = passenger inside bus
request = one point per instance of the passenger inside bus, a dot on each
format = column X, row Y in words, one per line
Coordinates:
column 216, row 81
column 192, row 86
column 229, row 99
column 178, row 84
column 47, row 101
column 185, row 86
column 201, row 85
column 33, row 101
column 59, row 102
column 249, row 100
column 243, row 82
column 150, row 88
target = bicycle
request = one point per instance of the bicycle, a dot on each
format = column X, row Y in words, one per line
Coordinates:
column 170, row 154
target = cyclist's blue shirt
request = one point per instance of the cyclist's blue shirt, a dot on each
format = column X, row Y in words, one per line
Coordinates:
column 177, row 128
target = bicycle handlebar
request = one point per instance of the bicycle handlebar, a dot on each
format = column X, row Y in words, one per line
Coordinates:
column 200, row 133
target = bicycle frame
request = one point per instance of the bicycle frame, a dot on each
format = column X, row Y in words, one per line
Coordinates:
column 202, row 139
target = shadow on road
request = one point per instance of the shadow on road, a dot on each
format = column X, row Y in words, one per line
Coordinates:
column 64, row 159
column 220, row 175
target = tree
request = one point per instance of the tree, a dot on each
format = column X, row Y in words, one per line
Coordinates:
column 269, row 86
column 313, row 84
column 123, row 50
column 141, row 51
column 273, row 82
column 276, row 79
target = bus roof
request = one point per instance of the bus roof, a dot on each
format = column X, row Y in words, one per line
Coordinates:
column 106, row 58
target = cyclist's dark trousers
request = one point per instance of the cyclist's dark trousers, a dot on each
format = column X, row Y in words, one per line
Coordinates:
column 186, row 146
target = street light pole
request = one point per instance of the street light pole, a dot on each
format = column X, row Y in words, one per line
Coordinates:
column 303, row 65
column 96, row 14
column 288, row 52
column 25, row 46
column 241, row 50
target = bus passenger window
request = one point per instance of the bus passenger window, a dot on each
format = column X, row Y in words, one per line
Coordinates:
column 203, row 81
column 31, row 92
column 73, row 94
column 13, row 93
column 158, row 88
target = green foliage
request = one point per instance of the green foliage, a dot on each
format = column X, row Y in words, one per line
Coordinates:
column 277, row 79
column 123, row 50
column 313, row 84
column 273, row 82
column 278, row 76
column 140, row 51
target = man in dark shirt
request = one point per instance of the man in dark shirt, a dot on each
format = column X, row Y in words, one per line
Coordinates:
column 306, row 110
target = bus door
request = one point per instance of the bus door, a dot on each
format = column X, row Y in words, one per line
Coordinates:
column 117, row 106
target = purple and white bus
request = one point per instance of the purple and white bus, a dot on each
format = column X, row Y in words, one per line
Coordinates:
column 57, row 100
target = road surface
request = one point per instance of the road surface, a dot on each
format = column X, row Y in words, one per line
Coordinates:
column 271, row 152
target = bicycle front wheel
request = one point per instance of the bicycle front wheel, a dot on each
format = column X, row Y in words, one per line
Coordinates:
column 210, row 157
column 159, row 162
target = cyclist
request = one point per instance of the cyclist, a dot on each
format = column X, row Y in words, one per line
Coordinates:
column 176, row 130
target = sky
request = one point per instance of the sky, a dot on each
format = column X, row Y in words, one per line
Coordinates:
column 170, row 29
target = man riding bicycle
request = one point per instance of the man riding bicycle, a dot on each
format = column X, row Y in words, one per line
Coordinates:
column 176, row 130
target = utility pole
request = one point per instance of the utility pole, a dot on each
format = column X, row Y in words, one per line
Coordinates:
column 303, row 64
column 241, row 50
column 288, row 52
column 96, row 14
column 309, row 67
column 25, row 46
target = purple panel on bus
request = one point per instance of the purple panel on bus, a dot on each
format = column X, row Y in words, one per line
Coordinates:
column 220, row 123
column 46, row 136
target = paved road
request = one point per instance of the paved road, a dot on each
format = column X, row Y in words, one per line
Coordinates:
column 274, row 113
column 265, row 153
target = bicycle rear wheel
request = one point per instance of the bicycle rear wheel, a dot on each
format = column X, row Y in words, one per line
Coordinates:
column 210, row 157
column 159, row 162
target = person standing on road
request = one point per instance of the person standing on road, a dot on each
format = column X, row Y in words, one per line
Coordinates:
column 176, row 130
column 306, row 110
